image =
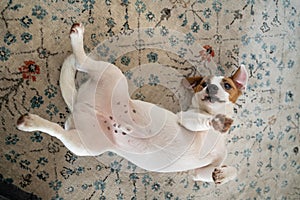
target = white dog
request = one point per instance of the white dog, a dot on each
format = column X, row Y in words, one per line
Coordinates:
column 105, row 118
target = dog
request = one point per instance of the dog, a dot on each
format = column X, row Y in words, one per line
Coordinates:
column 105, row 118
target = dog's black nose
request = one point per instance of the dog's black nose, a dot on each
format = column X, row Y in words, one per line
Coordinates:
column 212, row 89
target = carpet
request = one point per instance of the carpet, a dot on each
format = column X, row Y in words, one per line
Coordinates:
column 263, row 143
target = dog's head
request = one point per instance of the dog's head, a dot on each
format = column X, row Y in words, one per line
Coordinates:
column 214, row 93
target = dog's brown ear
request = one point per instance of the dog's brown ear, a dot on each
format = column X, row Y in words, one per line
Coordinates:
column 192, row 82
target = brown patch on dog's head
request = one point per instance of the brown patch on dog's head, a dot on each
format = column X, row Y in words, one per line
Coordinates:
column 231, row 88
column 197, row 83
column 236, row 84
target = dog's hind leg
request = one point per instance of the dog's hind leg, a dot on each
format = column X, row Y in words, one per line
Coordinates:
column 204, row 173
column 218, row 175
column 70, row 138
column 76, row 35
column 216, row 172
column 67, row 81
column 224, row 174
column 68, row 71
column 67, row 87
column 83, row 62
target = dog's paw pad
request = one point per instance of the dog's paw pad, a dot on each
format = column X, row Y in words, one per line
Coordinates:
column 221, row 123
column 224, row 174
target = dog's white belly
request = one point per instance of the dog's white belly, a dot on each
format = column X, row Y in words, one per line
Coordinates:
column 187, row 150
column 173, row 148
column 201, row 153
column 143, row 133
column 148, row 146
column 86, row 125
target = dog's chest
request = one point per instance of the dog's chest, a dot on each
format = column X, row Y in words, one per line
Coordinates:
column 204, row 143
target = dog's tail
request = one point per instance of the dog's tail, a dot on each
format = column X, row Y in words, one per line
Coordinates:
column 67, row 81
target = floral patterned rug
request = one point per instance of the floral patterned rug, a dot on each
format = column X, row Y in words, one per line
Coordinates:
column 185, row 36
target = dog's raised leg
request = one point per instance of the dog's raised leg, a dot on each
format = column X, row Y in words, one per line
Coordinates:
column 31, row 122
column 85, row 63
column 71, row 139
column 71, row 64
column 76, row 35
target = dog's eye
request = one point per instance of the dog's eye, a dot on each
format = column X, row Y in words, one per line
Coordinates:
column 204, row 84
column 227, row 86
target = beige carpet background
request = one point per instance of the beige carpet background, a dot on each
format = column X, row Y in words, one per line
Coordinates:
column 263, row 144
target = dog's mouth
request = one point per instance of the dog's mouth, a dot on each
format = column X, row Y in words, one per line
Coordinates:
column 213, row 99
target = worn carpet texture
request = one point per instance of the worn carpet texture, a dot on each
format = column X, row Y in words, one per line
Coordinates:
column 263, row 143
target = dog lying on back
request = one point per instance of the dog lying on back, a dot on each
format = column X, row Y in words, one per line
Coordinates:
column 105, row 118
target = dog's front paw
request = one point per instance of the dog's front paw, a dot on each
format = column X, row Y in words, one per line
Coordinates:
column 224, row 174
column 221, row 123
column 28, row 122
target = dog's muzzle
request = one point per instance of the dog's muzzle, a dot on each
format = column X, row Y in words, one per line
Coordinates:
column 212, row 99
column 211, row 91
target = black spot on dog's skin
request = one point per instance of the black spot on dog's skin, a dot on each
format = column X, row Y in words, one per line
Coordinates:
column 116, row 131
column 296, row 150
column 108, row 128
column 134, row 111
column 110, row 117
column 123, row 133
